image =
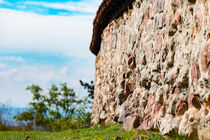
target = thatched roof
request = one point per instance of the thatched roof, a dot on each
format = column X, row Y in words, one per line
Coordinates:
column 108, row 10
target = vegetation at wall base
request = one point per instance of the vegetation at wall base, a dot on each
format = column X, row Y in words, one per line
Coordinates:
column 112, row 132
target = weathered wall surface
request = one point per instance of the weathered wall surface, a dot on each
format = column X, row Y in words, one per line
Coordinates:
column 153, row 68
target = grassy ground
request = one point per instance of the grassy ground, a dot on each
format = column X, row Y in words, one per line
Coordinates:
column 112, row 132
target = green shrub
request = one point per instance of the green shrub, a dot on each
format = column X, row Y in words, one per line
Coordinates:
column 60, row 109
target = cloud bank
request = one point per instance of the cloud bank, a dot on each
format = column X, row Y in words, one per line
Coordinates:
column 27, row 31
column 59, row 31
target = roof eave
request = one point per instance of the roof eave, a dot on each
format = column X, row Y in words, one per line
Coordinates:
column 108, row 11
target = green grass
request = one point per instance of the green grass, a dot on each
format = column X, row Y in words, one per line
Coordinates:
column 112, row 132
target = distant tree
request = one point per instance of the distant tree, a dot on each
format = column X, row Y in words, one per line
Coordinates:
column 4, row 109
column 59, row 109
column 89, row 87
column 37, row 113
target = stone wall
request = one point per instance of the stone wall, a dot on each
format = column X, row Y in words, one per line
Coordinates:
column 153, row 68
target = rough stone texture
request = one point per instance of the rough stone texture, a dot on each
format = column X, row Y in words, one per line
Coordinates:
column 153, row 68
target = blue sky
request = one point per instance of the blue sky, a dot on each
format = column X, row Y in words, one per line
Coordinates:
column 44, row 42
column 52, row 7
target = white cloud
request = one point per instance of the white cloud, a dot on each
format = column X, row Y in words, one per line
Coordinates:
column 27, row 31
column 89, row 6
column 2, row 2
column 14, row 81
column 8, row 73
column 45, row 74
column 3, row 66
column 64, row 70
column 12, row 58
column 37, row 74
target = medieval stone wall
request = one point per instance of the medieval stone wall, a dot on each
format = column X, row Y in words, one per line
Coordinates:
column 153, row 68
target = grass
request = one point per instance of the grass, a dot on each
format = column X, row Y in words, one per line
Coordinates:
column 112, row 132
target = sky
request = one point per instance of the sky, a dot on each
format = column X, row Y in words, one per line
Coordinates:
column 44, row 42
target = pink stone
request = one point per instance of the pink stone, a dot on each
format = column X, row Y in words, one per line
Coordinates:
column 151, row 12
column 199, row 18
column 147, row 123
column 162, row 76
column 166, row 4
column 193, row 31
column 133, row 76
column 158, row 43
column 109, row 46
column 150, row 103
column 177, row 2
column 157, row 108
column 176, row 20
column 149, row 30
column 149, row 52
column 146, row 16
column 195, row 71
column 205, row 58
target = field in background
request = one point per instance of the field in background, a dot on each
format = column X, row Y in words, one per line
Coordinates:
column 112, row 132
